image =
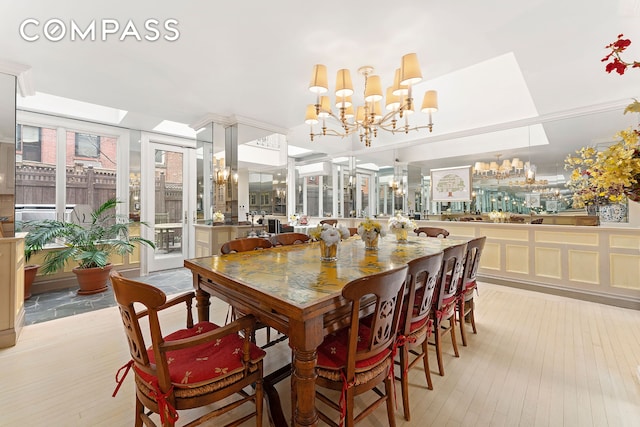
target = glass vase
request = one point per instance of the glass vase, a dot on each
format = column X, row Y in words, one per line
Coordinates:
column 402, row 235
column 370, row 240
column 328, row 252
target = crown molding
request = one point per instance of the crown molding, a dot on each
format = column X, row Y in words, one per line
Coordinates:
column 211, row 118
column 23, row 76
column 259, row 125
column 227, row 121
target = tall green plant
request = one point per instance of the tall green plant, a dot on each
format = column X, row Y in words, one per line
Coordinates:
column 89, row 245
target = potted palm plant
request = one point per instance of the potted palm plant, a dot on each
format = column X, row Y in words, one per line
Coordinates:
column 90, row 245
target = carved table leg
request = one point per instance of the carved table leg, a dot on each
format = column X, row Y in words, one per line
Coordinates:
column 202, row 300
column 303, row 382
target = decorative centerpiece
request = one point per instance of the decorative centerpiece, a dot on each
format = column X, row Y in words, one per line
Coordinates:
column 293, row 219
column 369, row 231
column 496, row 216
column 608, row 177
column 329, row 238
column 400, row 226
column 218, row 216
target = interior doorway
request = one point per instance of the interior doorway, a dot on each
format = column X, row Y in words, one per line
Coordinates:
column 168, row 172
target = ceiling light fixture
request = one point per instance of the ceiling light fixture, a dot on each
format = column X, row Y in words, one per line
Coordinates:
column 368, row 118
column 499, row 169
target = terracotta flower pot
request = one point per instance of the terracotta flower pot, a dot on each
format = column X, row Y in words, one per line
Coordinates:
column 92, row 280
column 30, row 272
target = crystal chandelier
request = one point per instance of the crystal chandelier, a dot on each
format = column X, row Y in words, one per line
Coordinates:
column 368, row 119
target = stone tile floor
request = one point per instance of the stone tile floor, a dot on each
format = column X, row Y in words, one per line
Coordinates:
column 65, row 302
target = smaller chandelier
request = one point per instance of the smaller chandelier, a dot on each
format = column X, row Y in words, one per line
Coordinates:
column 505, row 169
column 368, row 119
column 221, row 173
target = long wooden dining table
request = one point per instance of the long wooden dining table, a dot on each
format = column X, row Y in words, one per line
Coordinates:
column 291, row 290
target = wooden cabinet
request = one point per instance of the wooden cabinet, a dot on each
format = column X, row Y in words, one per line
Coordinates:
column 11, row 289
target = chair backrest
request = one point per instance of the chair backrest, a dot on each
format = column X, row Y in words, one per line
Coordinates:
column 388, row 290
column 472, row 260
column 329, row 221
column 537, row 221
column 450, row 275
column 285, row 239
column 353, row 231
column 127, row 292
column 422, row 278
column 244, row 245
column 432, row 231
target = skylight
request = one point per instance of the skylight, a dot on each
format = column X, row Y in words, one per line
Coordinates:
column 45, row 103
column 293, row 151
column 175, row 128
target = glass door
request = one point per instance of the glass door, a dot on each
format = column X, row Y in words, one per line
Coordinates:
column 170, row 209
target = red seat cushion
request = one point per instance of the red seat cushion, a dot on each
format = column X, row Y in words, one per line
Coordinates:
column 470, row 286
column 414, row 325
column 332, row 353
column 205, row 363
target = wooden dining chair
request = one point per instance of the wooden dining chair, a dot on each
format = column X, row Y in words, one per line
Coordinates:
column 432, row 232
column 245, row 244
column 443, row 314
column 467, row 285
column 416, row 322
column 285, row 239
column 329, row 221
column 356, row 359
column 353, row 231
column 189, row 368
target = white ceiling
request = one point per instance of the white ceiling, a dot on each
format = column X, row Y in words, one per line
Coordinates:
column 497, row 65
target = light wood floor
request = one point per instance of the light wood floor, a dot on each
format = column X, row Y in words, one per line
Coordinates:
column 538, row 360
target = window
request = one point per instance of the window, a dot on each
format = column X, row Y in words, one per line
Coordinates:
column 28, row 141
column 160, row 157
column 87, row 145
column 90, row 168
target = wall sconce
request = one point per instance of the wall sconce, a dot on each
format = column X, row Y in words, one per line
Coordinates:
column 221, row 173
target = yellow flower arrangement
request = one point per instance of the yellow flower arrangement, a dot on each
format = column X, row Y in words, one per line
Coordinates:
column 369, row 225
column 329, row 234
column 608, row 176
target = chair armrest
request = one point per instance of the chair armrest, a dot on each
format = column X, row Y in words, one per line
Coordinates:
column 186, row 298
column 246, row 323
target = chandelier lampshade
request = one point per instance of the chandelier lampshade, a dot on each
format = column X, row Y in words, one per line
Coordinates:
column 311, row 118
column 399, row 89
column 344, row 102
column 373, row 89
column 430, row 102
column 325, row 107
column 392, row 101
column 410, row 73
column 344, row 87
column 369, row 119
column 319, row 83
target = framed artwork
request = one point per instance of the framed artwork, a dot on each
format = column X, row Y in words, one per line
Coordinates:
column 552, row 205
column 451, row 184
column 532, row 200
